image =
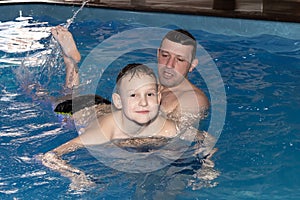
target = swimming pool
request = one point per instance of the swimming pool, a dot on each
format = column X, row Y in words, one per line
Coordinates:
column 259, row 64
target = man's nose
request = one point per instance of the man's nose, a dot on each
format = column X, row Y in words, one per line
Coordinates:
column 171, row 62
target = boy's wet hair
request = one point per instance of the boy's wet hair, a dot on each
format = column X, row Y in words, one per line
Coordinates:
column 134, row 69
column 183, row 37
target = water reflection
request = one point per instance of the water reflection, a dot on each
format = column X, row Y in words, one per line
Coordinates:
column 20, row 36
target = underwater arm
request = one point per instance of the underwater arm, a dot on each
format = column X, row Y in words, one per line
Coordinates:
column 204, row 148
column 53, row 160
column 78, row 178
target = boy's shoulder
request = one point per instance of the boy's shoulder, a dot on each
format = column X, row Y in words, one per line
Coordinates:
column 106, row 120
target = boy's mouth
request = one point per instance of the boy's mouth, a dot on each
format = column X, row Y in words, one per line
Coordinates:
column 143, row 111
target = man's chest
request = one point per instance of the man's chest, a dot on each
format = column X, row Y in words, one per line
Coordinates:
column 169, row 102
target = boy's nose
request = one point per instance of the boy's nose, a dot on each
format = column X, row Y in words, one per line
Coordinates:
column 143, row 101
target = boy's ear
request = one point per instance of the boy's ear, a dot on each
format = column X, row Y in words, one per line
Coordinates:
column 117, row 100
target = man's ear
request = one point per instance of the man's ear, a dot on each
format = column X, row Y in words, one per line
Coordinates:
column 194, row 64
column 117, row 100
column 157, row 53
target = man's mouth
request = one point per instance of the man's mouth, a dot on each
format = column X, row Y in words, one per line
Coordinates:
column 168, row 75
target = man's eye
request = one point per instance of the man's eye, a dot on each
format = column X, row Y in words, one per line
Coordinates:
column 180, row 59
column 164, row 55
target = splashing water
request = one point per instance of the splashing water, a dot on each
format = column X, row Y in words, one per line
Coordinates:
column 70, row 21
column 48, row 61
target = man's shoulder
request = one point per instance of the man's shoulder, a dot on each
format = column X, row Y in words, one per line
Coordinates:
column 195, row 94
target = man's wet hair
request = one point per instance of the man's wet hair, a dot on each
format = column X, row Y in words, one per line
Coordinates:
column 134, row 69
column 183, row 37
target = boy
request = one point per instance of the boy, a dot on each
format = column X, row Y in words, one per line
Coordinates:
column 136, row 101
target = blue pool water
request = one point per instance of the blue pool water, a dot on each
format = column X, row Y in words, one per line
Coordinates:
column 258, row 157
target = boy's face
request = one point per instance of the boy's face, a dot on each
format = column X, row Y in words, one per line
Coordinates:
column 174, row 62
column 139, row 98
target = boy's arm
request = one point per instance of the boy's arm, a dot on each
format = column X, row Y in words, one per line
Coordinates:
column 79, row 179
column 53, row 160
column 68, row 147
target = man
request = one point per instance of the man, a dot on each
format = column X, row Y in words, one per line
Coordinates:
column 176, row 58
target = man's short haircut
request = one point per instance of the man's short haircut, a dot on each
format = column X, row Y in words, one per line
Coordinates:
column 183, row 37
column 134, row 69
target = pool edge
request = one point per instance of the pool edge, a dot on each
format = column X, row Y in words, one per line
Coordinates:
column 174, row 9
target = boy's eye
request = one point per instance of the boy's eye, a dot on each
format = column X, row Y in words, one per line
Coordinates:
column 151, row 94
column 132, row 95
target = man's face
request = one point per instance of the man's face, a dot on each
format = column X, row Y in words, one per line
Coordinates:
column 174, row 62
column 139, row 97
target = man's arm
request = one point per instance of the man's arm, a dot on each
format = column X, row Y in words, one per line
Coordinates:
column 193, row 107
